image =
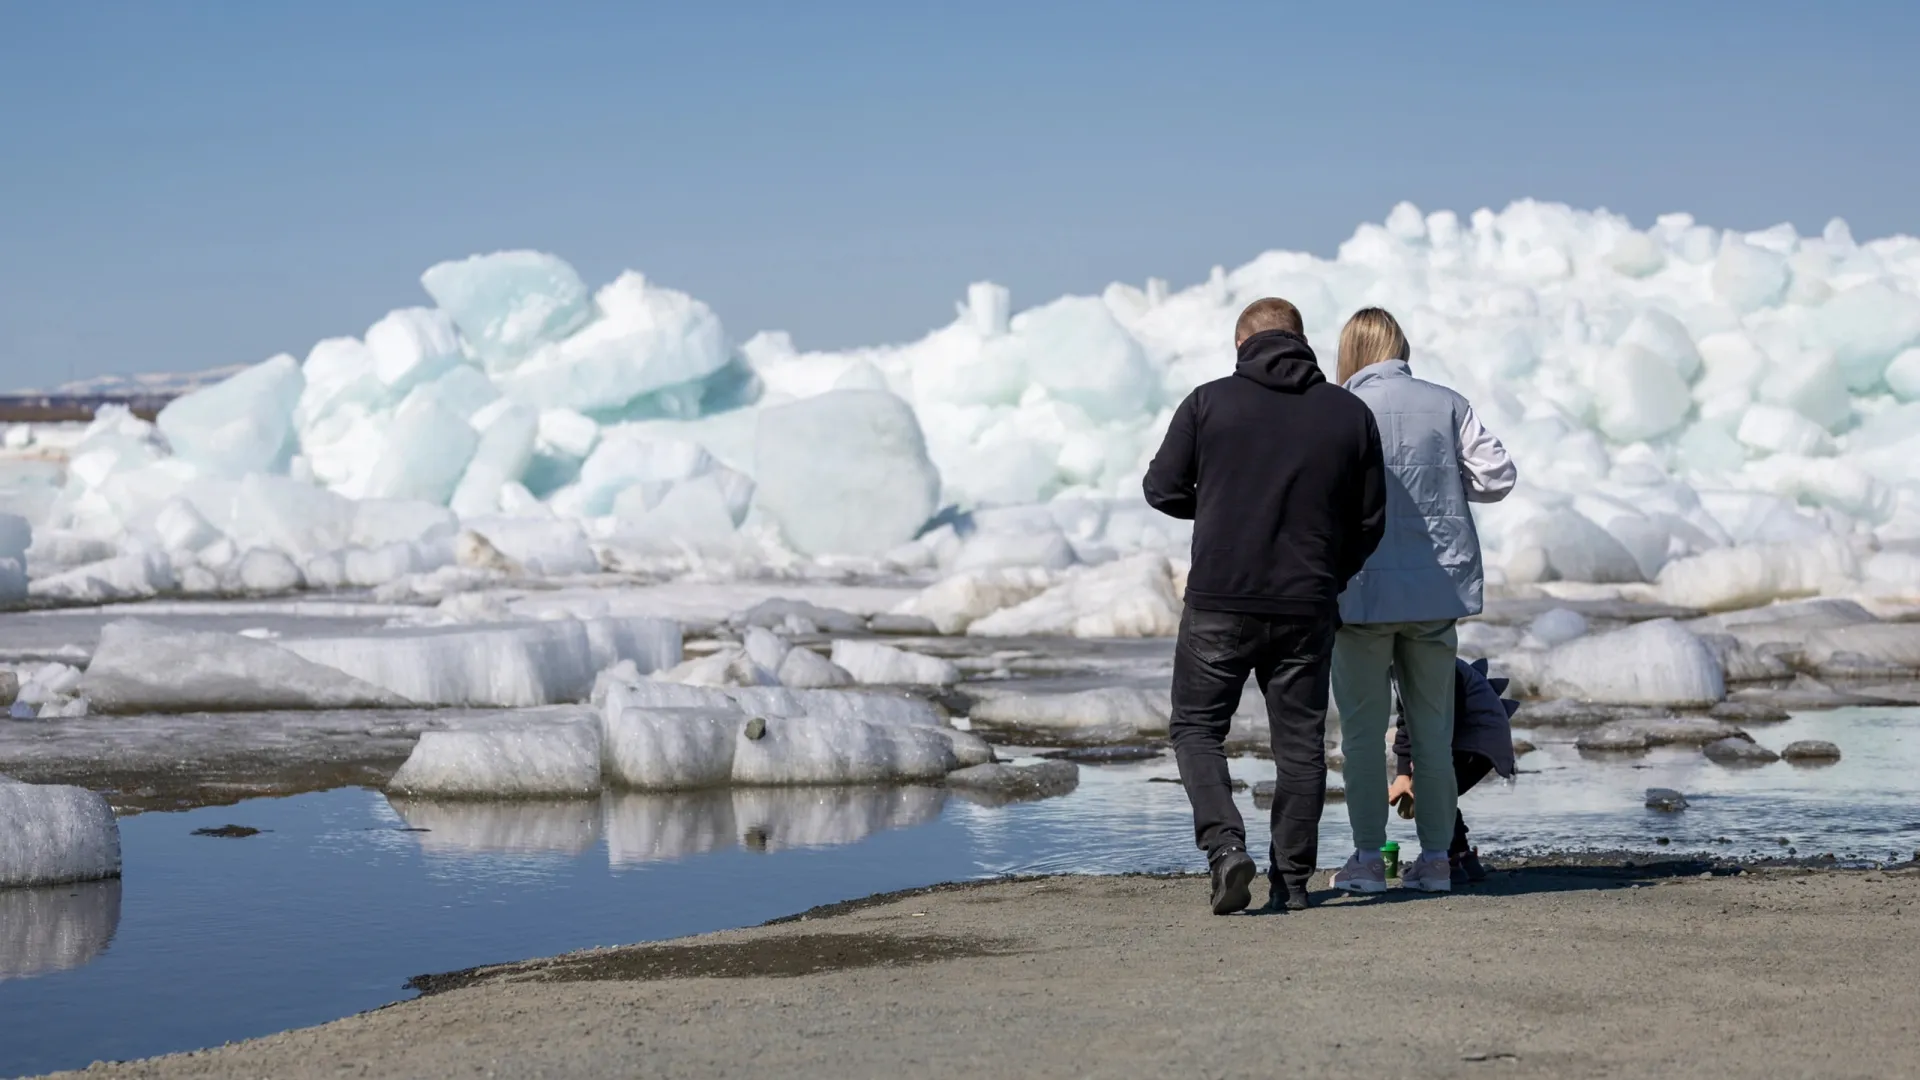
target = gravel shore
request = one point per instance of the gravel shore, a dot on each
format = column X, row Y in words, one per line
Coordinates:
column 1679, row 969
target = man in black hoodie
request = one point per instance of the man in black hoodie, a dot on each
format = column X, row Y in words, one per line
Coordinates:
column 1280, row 471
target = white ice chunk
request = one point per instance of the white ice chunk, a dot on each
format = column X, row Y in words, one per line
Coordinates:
column 1045, row 548
column 264, row 570
column 182, row 528
column 646, row 338
column 845, row 473
column 367, row 568
column 540, row 546
column 1746, row 277
column 286, row 515
column 671, row 749
column 702, row 513
column 501, row 456
column 141, row 667
column 1131, row 597
column 649, row 644
column 507, row 665
column 509, row 303
column 51, row 834
column 1667, row 338
column 1812, row 385
column 728, row 666
column 1638, row 395
column 1866, row 327
column 804, row 669
column 124, row 577
column 765, row 648
column 412, row 346
column 1556, row 627
column 526, row 759
column 1103, row 715
column 377, row 522
column 426, row 453
column 240, row 425
column 873, row 663
column 624, row 460
column 1739, row 577
column 872, row 705
column 1777, row 430
column 1652, row 663
column 1075, row 349
column 1903, row 375
column 835, row 750
column 567, row 433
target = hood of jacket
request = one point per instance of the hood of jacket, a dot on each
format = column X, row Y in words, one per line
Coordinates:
column 1279, row 360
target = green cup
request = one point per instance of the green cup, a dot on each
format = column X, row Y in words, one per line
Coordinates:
column 1390, row 851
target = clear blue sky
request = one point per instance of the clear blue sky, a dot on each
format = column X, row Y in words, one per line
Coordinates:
column 193, row 183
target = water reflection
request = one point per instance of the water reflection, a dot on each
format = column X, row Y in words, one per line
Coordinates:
column 775, row 819
column 55, row 928
column 534, row 826
column 658, row 827
column 645, row 827
column 649, row 827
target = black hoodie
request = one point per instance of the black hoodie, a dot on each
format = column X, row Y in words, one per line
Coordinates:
column 1280, row 471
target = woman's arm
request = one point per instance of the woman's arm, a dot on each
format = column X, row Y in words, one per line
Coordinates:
column 1484, row 464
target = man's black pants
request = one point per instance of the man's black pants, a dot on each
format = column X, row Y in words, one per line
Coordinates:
column 1291, row 659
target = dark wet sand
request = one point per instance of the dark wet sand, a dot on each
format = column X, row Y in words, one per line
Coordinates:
column 1565, row 971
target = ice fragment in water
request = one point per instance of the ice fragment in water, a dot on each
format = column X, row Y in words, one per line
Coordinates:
column 51, row 834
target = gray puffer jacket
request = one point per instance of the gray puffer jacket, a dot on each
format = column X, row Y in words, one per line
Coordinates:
column 1439, row 459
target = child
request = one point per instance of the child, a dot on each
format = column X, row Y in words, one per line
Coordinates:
column 1482, row 743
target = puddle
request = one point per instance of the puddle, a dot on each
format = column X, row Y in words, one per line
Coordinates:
column 341, row 897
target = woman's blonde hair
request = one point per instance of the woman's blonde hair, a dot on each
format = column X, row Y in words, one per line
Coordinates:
column 1368, row 338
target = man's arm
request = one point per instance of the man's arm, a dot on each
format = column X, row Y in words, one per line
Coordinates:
column 1484, row 464
column 1371, row 507
column 1170, row 483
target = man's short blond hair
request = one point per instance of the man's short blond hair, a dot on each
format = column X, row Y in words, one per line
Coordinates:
column 1270, row 313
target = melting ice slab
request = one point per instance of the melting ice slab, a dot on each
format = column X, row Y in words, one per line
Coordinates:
column 141, row 667
column 507, row 665
column 528, row 759
column 51, row 834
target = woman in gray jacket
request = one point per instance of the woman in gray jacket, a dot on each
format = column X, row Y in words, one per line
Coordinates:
column 1397, row 614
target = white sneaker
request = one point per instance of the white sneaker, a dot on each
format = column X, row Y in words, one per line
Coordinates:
column 1361, row 875
column 1429, row 873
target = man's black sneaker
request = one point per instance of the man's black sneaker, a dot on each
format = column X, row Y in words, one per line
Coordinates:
column 1233, row 871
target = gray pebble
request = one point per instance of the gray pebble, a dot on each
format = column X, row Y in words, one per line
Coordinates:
column 1659, row 798
column 1739, row 751
column 1814, row 751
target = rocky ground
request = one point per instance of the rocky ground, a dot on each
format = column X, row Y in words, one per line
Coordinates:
column 1674, row 969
